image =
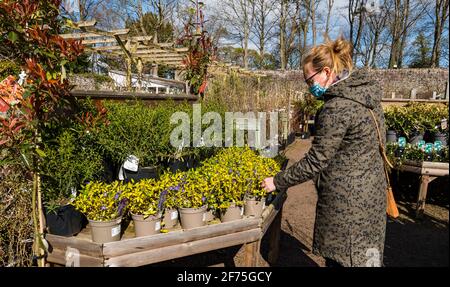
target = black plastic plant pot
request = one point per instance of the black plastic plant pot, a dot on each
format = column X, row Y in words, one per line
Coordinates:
column 391, row 136
column 291, row 138
column 142, row 173
column 65, row 221
column 438, row 136
column 182, row 165
column 415, row 137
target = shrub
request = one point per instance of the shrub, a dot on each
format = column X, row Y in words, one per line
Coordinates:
column 100, row 201
column 144, row 131
column 415, row 117
column 235, row 173
column 143, row 197
column 8, row 68
column 67, row 165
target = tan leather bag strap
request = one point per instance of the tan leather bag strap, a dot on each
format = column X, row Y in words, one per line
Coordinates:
column 382, row 149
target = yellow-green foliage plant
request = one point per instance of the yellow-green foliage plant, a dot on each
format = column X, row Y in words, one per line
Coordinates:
column 101, row 202
column 143, row 197
column 192, row 190
column 235, row 173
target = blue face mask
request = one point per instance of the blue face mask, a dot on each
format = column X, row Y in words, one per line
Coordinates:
column 317, row 90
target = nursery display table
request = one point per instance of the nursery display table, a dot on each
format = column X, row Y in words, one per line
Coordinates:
column 131, row 251
column 428, row 172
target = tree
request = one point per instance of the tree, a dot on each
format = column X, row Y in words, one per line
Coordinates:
column 355, row 14
column 404, row 15
column 238, row 16
column 283, row 20
column 264, row 25
column 373, row 38
column 440, row 19
column 330, row 4
column 422, row 52
column 149, row 23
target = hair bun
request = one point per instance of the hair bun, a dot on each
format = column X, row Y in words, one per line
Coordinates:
column 341, row 46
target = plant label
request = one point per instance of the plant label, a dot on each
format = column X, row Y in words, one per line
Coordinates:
column 158, row 226
column 174, row 215
column 204, row 217
column 242, row 211
column 444, row 124
column 115, row 231
column 264, row 204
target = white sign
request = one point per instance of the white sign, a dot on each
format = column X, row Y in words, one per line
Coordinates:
column 115, row 231
column 174, row 215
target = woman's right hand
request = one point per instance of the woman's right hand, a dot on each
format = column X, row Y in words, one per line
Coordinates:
column 268, row 184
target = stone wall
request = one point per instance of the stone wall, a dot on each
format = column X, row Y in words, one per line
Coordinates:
column 398, row 81
column 89, row 82
column 402, row 81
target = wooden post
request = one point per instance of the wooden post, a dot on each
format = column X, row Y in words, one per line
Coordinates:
column 413, row 94
column 252, row 253
column 446, row 91
column 129, row 61
column 129, row 82
column 434, row 95
column 420, row 206
column 258, row 94
column 139, row 67
column 274, row 238
column 289, row 114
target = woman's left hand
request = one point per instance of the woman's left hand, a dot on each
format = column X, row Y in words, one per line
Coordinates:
column 268, row 184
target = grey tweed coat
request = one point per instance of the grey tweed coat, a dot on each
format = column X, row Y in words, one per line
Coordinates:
column 345, row 161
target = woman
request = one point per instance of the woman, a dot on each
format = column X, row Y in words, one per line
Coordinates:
column 345, row 158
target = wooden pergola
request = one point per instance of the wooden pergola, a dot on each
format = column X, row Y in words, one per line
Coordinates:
column 136, row 49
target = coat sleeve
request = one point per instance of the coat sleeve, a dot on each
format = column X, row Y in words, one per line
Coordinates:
column 332, row 125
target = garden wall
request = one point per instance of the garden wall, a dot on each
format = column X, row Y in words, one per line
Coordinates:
column 399, row 81
column 245, row 93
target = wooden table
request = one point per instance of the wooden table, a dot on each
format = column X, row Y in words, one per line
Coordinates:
column 130, row 251
column 428, row 172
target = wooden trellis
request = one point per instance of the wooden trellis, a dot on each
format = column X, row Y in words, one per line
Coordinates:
column 136, row 49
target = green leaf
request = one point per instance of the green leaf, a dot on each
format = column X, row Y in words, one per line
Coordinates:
column 49, row 76
column 25, row 160
column 40, row 152
column 12, row 36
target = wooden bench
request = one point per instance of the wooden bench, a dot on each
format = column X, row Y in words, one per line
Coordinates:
column 428, row 172
column 131, row 251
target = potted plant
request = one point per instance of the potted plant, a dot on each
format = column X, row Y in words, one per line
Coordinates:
column 63, row 219
column 231, row 194
column 65, row 168
column 144, row 205
column 255, row 196
column 391, row 116
column 168, row 183
column 103, row 205
column 191, row 199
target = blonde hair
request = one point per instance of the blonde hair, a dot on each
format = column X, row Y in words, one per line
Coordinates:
column 334, row 54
